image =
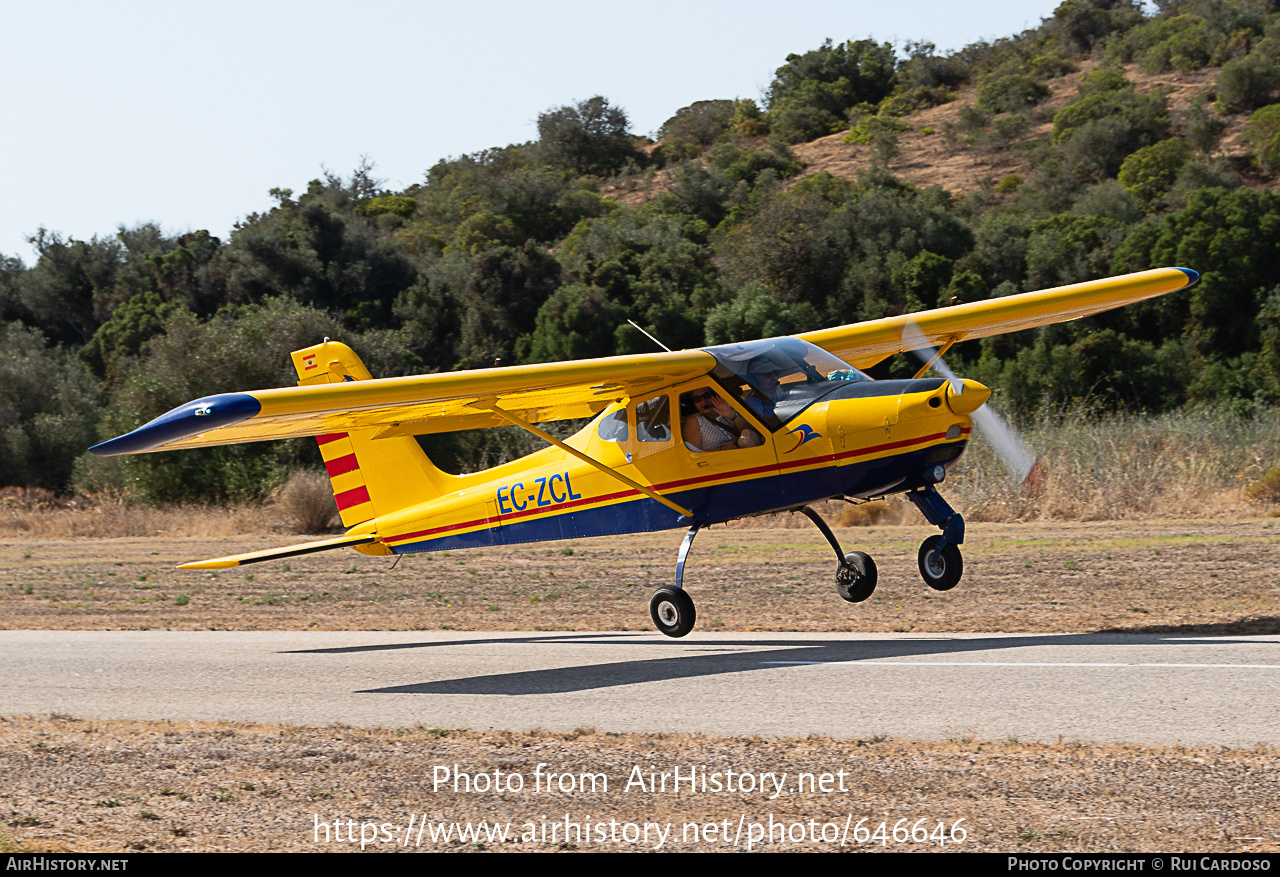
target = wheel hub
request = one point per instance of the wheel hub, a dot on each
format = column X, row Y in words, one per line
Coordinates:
column 668, row 613
column 937, row 566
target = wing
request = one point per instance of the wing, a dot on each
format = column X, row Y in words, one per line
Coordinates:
column 556, row 391
column 864, row 344
column 412, row 405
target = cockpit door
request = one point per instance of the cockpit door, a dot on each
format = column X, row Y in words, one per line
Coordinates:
column 730, row 482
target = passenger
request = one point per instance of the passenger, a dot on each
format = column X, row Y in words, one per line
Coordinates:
column 763, row 376
column 714, row 425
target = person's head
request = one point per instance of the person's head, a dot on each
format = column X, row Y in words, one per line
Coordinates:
column 764, row 375
column 703, row 399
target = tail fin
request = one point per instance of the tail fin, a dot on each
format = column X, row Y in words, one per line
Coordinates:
column 370, row 477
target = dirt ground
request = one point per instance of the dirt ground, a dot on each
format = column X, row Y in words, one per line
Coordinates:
column 121, row 786
column 1160, row 576
column 69, row 783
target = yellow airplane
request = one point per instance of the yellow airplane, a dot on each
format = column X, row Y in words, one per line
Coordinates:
column 681, row 439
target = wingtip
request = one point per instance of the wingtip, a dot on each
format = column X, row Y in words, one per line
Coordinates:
column 209, row 412
column 1193, row 277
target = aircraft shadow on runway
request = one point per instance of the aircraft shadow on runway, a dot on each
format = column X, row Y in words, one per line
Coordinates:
column 718, row 657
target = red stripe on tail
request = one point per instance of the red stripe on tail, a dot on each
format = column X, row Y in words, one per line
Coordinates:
column 341, row 465
column 354, row 496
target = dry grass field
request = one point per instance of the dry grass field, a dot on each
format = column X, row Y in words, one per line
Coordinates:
column 1156, row 576
column 132, row 786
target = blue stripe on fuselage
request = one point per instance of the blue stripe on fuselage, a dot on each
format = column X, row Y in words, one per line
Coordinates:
column 712, row 505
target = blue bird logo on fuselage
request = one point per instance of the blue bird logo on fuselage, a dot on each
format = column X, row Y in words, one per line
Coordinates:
column 806, row 434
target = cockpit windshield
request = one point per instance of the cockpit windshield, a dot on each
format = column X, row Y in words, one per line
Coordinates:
column 777, row 378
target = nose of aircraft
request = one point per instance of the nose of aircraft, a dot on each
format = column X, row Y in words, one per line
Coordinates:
column 968, row 398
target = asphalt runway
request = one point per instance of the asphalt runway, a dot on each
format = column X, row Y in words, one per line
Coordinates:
column 1089, row 687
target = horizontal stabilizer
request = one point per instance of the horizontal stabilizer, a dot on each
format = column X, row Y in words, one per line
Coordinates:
column 279, row 553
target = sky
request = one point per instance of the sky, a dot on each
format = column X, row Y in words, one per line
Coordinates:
column 187, row 115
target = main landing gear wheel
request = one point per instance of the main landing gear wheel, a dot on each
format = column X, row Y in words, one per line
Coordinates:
column 941, row 570
column 856, row 577
column 672, row 611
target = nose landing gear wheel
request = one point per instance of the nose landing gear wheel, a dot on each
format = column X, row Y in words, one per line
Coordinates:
column 856, row 577
column 672, row 611
column 941, row 570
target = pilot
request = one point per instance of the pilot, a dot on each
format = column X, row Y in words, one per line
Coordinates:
column 763, row 375
column 715, row 426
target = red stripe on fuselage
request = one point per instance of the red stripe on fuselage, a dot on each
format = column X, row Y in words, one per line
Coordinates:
column 737, row 473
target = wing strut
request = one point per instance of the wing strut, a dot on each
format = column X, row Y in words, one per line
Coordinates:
column 529, row 427
column 937, row 356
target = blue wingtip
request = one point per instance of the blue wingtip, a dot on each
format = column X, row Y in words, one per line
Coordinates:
column 183, row 422
column 1193, row 277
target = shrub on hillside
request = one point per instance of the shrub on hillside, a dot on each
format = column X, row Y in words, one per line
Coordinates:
column 1080, row 24
column 1264, row 137
column 801, row 124
column 1099, row 131
column 693, row 128
column 1200, row 126
column 1008, row 94
column 1247, row 83
column 1151, row 171
column 811, row 92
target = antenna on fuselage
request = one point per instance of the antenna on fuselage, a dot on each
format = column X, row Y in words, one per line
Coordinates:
column 650, row 337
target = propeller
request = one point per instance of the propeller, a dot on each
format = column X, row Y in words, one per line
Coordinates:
column 1027, row 468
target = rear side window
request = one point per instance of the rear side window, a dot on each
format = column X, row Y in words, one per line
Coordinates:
column 653, row 420
column 614, row 427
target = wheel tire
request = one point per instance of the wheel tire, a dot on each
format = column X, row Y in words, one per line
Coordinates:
column 941, row 570
column 856, row 577
column 672, row 611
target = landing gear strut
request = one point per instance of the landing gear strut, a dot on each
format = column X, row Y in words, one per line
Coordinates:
column 940, row 562
column 670, row 607
column 855, row 572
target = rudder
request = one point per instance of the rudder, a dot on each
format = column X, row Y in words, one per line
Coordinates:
column 370, row 477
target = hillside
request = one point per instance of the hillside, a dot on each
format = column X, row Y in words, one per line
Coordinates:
column 928, row 160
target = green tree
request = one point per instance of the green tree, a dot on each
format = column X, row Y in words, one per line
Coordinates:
column 1264, row 137
column 1099, row 131
column 1152, row 170
column 1011, row 93
column 811, row 92
column 590, row 136
column 695, row 127
column 130, row 325
column 239, row 349
column 1247, row 83
column 1080, row 24
column 49, row 408
column 754, row 313
column 320, row 252
column 1232, row 237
